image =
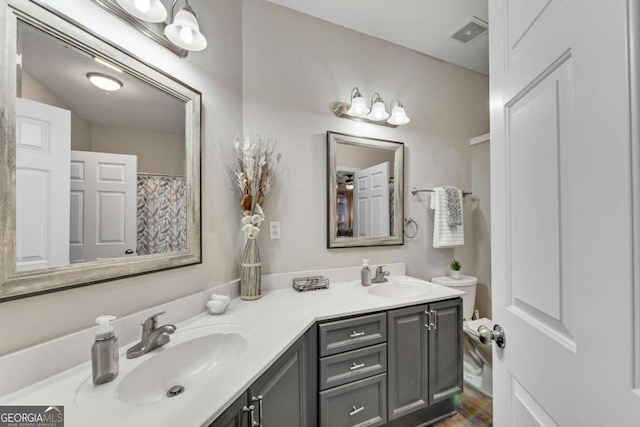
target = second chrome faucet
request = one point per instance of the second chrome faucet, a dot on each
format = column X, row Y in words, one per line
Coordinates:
column 381, row 275
column 153, row 336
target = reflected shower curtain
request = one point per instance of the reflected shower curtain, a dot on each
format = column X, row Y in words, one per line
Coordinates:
column 162, row 223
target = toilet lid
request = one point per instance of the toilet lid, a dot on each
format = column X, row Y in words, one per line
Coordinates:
column 451, row 282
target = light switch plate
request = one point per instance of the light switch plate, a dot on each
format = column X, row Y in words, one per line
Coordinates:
column 274, row 230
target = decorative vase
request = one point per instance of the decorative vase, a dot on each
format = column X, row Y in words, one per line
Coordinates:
column 250, row 271
column 456, row 274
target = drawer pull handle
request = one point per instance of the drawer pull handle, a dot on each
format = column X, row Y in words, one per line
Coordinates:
column 355, row 334
column 356, row 366
column 356, row 410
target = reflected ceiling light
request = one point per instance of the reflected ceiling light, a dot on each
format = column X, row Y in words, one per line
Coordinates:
column 184, row 31
column 398, row 115
column 358, row 110
column 378, row 111
column 146, row 10
column 358, row 106
column 104, row 81
column 106, row 64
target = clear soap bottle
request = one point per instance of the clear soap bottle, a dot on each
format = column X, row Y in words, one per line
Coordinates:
column 365, row 273
column 104, row 352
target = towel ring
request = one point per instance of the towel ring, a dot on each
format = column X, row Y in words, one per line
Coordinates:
column 407, row 222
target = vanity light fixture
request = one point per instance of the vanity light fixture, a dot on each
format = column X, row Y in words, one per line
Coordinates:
column 179, row 32
column 378, row 115
column 104, row 81
column 378, row 111
column 146, row 10
column 398, row 115
column 358, row 106
column 184, row 30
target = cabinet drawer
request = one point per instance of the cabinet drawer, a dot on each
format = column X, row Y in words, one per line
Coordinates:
column 352, row 366
column 350, row 334
column 362, row 403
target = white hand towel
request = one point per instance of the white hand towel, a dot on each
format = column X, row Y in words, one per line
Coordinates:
column 444, row 235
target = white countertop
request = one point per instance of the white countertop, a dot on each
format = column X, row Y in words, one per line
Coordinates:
column 278, row 319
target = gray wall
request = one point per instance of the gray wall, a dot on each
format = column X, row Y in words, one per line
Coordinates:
column 217, row 73
column 481, row 219
column 277, row 72
column 295, row 67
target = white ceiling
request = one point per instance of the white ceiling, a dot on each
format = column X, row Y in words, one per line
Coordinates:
column 421, row 25
column 62, row 69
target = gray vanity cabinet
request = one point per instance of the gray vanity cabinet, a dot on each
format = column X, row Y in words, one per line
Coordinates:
column 425, row 356
column 234, row 416
column 445, row 351
column 285, row 395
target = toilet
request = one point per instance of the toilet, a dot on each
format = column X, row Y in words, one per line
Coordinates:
column 477, row 356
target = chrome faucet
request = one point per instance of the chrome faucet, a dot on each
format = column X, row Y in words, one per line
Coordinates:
column 152, row 337
column 381, row 275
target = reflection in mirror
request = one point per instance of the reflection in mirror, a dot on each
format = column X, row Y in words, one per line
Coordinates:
column 100, row 155
column 100, row 170
column 365, row 198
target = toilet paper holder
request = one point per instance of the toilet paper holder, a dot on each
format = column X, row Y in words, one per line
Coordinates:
column 486, row 335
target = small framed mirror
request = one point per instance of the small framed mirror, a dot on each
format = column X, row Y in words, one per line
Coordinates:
column 100, row 159
column 365, row 191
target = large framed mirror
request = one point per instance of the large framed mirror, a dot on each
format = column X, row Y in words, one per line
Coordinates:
column 100, row 175
column 365, row 191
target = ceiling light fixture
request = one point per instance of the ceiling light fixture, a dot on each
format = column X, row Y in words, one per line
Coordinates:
column 146, row 10
column 184, row 30
column 378, row 115
column 104, row 81
column 107, row 64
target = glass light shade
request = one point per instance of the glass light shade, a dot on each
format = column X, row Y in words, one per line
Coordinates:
column 358, row 107
column 146, row 10
column 378, row 112
column 398, row 116
column 184, row 31
column 104, row 81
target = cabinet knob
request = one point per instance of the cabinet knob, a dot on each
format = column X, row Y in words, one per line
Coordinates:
column 355, row 334
column 356, row 366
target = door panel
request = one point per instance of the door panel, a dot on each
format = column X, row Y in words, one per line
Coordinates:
column 445, row 357
column 561, row 213
column 43, row 141
column 104, row 206
column 371, row 201
column 408, row 345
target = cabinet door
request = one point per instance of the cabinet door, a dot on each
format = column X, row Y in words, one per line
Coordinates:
column 445, row 345
column 407, row 367
column 234, row 416
column 288, row 388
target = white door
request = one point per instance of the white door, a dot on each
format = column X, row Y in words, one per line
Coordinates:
column 103, row 205
column 371, row 201
column 43, row 144
column 561, row 214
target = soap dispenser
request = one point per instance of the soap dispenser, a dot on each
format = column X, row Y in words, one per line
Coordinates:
column 365, row 274
column 104, row 352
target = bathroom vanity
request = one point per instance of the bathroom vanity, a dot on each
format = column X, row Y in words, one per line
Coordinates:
column 388, row 354
column 395, row 367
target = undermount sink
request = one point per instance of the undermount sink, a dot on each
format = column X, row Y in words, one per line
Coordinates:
column 182, row 366
column 399, row 289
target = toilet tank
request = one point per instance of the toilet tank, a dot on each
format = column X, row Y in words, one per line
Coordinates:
column 466, row 284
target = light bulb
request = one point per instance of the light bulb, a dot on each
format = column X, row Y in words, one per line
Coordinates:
column 143, row 6
column 186, row 35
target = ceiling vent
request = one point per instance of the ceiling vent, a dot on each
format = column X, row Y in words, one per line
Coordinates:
column 470, row 30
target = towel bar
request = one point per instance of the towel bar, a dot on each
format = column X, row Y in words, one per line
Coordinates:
column 414, row 191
